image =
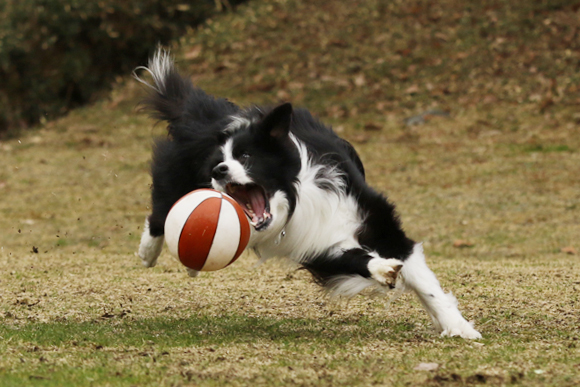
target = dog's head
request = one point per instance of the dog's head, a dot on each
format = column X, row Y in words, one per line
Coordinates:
column 259, row 162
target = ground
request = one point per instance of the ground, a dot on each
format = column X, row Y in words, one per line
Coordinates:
column 487, row 177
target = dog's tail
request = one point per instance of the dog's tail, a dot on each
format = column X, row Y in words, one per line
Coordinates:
column 169, row 89
column 174, row 98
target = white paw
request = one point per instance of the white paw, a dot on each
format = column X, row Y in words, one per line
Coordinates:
column 465, row 331
column 192, row 273
column 146, row 259
column 385, row 271
column 150, row 247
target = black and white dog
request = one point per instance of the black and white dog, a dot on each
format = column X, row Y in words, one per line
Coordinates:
column 302, row 187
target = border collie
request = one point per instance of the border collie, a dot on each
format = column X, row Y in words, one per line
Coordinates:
column 302, row 187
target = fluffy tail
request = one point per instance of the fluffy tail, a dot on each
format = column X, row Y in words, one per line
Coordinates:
column 175, row 99
column 169, row 89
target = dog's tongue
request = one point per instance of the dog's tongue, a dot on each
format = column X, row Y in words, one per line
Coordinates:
column 253, row 201
column 258, row 203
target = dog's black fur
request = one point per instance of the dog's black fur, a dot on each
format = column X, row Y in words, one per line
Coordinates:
column 184, row 161
column 286, row 158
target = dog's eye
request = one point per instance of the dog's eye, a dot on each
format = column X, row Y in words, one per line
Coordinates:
column 245, row 156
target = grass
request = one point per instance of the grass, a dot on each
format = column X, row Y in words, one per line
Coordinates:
column 498, row 174
column 223, row 329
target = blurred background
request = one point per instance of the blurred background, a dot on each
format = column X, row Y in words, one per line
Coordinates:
column 56, row 55
column 466, row 113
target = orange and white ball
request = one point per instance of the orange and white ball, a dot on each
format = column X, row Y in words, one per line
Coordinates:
column 207, row 230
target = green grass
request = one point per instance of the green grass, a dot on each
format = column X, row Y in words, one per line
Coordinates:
column 500, row 173
column 64, row 353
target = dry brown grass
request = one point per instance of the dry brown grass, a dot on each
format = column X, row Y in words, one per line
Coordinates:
column 502, row 178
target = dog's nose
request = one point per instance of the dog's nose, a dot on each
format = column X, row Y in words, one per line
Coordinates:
column 220, row 171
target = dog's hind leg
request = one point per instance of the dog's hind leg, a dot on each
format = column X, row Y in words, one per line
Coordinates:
column 151, row 244
column 441, row 307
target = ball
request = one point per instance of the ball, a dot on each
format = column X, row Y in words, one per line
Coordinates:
column 206, row 230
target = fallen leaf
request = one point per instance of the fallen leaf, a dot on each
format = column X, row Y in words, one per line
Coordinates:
column 183, row 7
column 360, row 138
column 408, row 137
column 283, row 95
column 490, row 98
column 413, row 89
column 426, row 367
column 545, row 104
column 193, row 53
column 338, row 43
column 360, row 80
column 569, row 250
column 262, row 87
column 372, row 127
column 381, row 106
column 405, row 51
column 462, row 244
column 296, row 85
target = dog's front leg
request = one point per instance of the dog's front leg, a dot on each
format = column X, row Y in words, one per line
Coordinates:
column 441, row 307
column 150, row 246
column 350, row 271
column 150, row 249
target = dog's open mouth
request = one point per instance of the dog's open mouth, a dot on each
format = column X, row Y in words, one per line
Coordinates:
column 254, row 202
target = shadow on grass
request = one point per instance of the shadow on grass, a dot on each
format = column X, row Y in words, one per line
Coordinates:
column 202, row 330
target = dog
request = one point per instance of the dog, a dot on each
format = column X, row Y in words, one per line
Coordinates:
column 302, row 187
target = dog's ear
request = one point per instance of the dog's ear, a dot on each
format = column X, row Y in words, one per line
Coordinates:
column 277, row 122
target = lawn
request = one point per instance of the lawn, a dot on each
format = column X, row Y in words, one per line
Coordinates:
column 488, row 179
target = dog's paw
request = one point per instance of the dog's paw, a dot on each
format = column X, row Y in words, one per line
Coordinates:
column 385, row 271
column 146, row 262
column 192, row 273
column 465, row 331
column 147, row 258
column 149, row 249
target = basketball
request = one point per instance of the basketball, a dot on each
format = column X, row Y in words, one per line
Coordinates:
column 207, row 230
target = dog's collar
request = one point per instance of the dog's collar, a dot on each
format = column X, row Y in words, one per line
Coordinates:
column 280, row 236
